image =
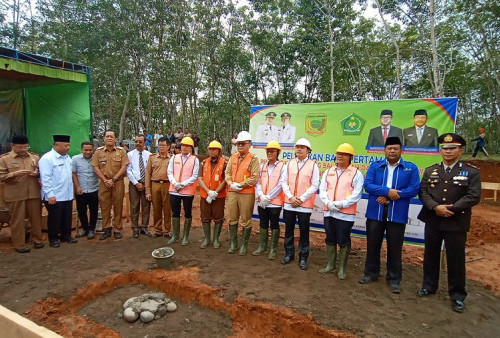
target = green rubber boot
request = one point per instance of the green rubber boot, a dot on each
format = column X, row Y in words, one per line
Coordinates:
column 331, row 253
column 263, row 243
column 343, row 257
column 233, row 238
column 245, row 236
column 185, row 234
column 206, row 231
column 176, row 227
column 217, row 229
column 275, row 236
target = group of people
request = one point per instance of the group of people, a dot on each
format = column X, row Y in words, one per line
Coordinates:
column 268, row 131
column 169, row 182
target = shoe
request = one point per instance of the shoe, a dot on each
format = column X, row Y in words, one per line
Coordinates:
column 106, row 234
column 424, row 292
column 23, row 250
column 136, row 234
column 287, row 260
column 70, row 240
column 55, row 243
column 81, row 234
column 367, row 279
column 118, row 235
column 303, row 264
column 38, row 245
column 396, row 288
column 458, row 306
column 91, row 235
column 146, row 232
column 158, row 235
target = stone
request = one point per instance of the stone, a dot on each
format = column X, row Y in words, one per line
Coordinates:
column 129, row 302
column 171, row 307
column 130, row 315
column 147, row 316
column 157, row 296
column 150, row 305
column 162, row 309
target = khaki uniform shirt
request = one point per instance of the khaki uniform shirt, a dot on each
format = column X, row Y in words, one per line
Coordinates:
column 110, row 161
column 21, row 187
column 156, row 170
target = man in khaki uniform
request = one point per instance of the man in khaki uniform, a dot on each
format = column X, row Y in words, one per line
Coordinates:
column 110, row 163
column 242, row 173
column 157, row 185
column 19, row 172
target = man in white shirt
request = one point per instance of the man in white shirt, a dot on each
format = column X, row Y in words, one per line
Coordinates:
column 57, row 191
column 267, row 131
column 156, row 137
column 136, row 173
column 299, row 180
column 286, row 131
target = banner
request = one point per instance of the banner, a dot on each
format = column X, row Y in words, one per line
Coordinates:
column 364, row 125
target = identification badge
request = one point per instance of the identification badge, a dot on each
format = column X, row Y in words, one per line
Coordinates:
column 216, row 177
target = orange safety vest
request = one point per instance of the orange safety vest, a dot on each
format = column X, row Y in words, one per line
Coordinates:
column 300, row 180
column 214, row 177
column 268, row 183
column 338, row 188
column 240, row 172
column 181, row 172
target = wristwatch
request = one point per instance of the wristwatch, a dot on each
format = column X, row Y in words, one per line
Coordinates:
column 114, row 179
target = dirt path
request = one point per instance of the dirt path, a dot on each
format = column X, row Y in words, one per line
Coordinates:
column 79, row 289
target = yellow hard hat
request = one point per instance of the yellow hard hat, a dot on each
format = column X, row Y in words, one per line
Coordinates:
column 345, row 148
column 273, row 145
column 215, row 144
column 187, row 141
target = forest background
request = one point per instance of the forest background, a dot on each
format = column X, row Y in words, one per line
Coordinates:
column 202, row 63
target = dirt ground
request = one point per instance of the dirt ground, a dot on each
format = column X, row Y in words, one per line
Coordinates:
column 78, row 289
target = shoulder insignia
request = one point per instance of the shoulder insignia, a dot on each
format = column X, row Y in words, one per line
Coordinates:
column 5, row 154
column 118, row 147
column 100, row 148
column 435, row 165
column 472, row 166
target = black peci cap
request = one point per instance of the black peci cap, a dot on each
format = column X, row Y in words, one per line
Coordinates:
column 392, row 140
column 20, row 139
column 61, row 138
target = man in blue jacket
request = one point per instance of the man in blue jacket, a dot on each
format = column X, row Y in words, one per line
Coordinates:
column 390, row 183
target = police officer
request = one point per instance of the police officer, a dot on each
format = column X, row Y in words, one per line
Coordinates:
column 19, row 173
column 213, row 192
column 267, row 131
column 157, row 185
column 448, row 191
column 242, row 173
column 110, row 163
column 271, row 198
column 286, row 131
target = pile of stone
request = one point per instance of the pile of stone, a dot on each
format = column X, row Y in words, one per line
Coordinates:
column 148, row 307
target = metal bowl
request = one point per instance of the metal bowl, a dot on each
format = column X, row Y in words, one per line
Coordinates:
column 163, row 256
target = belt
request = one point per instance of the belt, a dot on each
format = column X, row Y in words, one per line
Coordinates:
column 160, row 181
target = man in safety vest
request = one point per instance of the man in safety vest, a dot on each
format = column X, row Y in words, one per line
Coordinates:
column 242, row 173
column 271, row 199
column 340, row 190
column 299, row 180
column 390, row 184
column 213, row 192
column 183, row 176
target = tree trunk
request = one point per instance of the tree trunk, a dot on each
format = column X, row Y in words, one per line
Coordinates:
column 124, row 113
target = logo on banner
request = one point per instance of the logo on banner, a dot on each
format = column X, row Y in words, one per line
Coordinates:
column 352, row 124
column 316, row 124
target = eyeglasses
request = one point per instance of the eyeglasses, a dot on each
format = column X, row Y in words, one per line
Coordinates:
column 241, row 144
column 21, row 146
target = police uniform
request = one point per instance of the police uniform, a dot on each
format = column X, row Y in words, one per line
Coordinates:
column 157, row 185
column 267, row 132
column 110, row 162
column 460, row 186
column 22, row 196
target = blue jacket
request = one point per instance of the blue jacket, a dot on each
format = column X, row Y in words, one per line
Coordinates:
column 405, row 178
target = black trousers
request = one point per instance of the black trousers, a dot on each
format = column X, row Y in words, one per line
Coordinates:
column 91, row 201
column 337, row 231
column 187, row 201
column 303, row 219
column 269, row 216
column 477, row 149
column 454, row 242
column 394, row 233
column 59, row 219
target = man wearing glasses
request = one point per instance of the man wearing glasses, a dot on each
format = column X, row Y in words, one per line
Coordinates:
column 420, row 135
column 379, row 135
column 19, row 173
column 242, row 173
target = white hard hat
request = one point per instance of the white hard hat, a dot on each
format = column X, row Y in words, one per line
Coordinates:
column 244, row 136
column 303, row 142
